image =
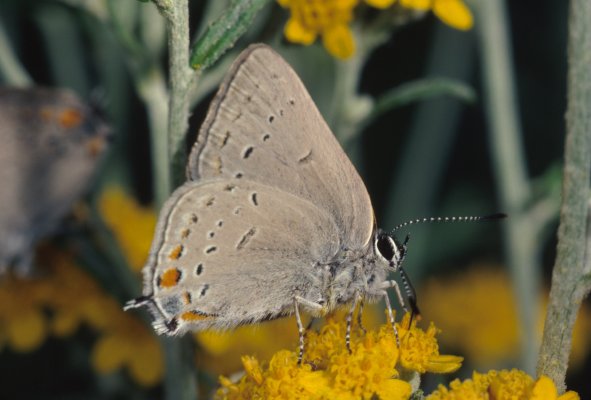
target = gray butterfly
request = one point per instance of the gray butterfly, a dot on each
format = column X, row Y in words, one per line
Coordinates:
column 51, row 145
column 273, row 218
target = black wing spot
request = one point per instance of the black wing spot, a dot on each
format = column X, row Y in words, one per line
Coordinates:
column 194, row 218
column 225, row 140
column 238, row 175
column 245, row 238
column 249, row 98
column 306, row 159
column 210, row 201
column 237, row 210
column 220, row 223
column 199, row 269
column 281, row 112
column 230, row 188
column 253, row 198
column 204, row 290
column 266, row 137
column 247, row 152
column 271, row 119
column 211, row 249
column 210, row 234
column 292, row 102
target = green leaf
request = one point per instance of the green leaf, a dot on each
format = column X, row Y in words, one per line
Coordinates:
column 224, row 32
column 422, row 89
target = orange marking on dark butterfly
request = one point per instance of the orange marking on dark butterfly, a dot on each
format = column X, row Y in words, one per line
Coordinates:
column 70, row 118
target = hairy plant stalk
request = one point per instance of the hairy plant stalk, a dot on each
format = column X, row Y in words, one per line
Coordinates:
column 570, row 277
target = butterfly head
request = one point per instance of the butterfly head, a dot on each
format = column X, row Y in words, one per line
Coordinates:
column 389, row 251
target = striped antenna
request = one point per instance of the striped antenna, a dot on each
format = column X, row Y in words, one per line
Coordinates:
column 450, row 219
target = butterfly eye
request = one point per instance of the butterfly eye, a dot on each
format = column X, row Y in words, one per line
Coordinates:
column 387, row 249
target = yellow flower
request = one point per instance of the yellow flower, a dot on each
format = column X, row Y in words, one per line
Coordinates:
column 420, row 351
column 329, row 371
column 452, row 12
column 221, row 352
column 486, row 329
column 331, row 18
column 127, row 343
column 132, row 224
column 73, row 298
column 327, row 18
column 501, row 385
column 23, row 325
column 544, row 389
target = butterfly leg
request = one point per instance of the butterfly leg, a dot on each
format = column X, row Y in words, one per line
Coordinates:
column 383, row 292
column 394, row 285
column 349, row 321
column 359, row 314
column 391, row 316
column 315, row 306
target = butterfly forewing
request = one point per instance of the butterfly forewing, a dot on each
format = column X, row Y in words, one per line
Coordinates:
column 264, row 126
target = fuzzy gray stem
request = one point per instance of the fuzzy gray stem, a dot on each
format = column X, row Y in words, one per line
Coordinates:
column 510, row 170
column 181, row 76
column 568, row 284
column 181, row 374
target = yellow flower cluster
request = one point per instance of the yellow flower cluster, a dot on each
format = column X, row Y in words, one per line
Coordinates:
column 64, row 297
column 501, row 385
column 373, row 368
column 486, row 331
column 330, row 19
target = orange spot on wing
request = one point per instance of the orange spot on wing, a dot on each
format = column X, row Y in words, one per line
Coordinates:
column 187, row 297
column 70, row 118
column 170, row 277
column 190, row 316
column 175, row 254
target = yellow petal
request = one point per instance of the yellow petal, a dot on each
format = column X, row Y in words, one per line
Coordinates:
column 64, row 323
column 27, row 331
column 394, row 389
column 444, row 364
column 422, row 5
column 146, row 365
column 339, row 42
column 544, row 389
column 454, row 13
column 108, row 354
column 382, row 4
column 570, row 395
column 297, row 33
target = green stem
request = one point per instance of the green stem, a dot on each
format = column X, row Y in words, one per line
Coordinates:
column 181, row 77
column 568, row 284
column 510, row 171
column 151, row 87
column 12, row 71
column 181, row 373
